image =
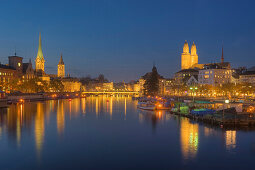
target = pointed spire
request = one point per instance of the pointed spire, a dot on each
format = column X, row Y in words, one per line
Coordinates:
column 222, row 56
column 40, row 53
column 61, row 60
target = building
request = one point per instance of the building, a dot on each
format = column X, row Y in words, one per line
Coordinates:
column 133, row 86
column 141, row 87
column 16, row 63
column 61, row 67
column 23, row 70
column 7, row 74
column 214, row 74
column 247, row 77
column 188, row 60
column 169, row 83
column 108, row 86
column 39, row 61
column 71, row 84
column 182, row 77
column 28, row 71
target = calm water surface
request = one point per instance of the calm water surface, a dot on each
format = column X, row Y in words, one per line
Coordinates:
column 111, row 133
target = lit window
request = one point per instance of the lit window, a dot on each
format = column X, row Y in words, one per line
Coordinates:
column 19, row 64
column 206, row 76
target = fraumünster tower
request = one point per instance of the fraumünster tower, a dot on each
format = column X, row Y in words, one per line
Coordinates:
column 61, row 67
column 39, row 61
column 188, row 60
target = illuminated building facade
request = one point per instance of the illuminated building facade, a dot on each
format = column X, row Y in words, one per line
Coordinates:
column 71, row 84
column 183, row 76
column 39, row 61
column 189, row 60
column 108, row 86
column 247, row 77
column 7, row 73
column 214, row 74
column 61, row 67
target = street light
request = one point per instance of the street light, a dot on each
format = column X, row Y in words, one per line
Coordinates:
column 193, row 89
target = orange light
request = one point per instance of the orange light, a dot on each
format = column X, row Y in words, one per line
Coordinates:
column 159, row 105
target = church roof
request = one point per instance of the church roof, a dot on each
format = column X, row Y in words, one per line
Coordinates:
column 224, row 65
column 6, row 67
column 40, row 53
column 188, row 71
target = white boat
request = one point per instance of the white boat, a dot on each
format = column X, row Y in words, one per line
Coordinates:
column 152, row 106
column 146, row 106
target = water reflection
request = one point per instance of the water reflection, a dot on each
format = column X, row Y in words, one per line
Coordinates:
column 189, row 138
column 91, row 120
column 39, row 127
column 83, row 105
column 60, row 117
column 154, row 117
column 230, row 139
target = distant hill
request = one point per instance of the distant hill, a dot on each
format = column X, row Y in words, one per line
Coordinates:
column 251, row 69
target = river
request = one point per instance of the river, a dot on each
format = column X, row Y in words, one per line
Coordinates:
column 111, row 133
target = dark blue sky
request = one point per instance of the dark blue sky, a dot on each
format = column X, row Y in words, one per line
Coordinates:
column 122, row 38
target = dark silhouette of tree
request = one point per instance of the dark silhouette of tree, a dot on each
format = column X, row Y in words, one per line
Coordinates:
column 151, row 85
column 102, row 79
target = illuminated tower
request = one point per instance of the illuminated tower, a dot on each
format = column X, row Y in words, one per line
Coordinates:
column 61, row 67
column 185, row 58
column 39, row 61
column 193, row 56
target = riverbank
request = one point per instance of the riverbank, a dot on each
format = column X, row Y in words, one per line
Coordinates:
column 29, row 97
column 236, row 121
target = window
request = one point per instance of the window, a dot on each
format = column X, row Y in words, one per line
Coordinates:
column 206, row 76
column 19, row 64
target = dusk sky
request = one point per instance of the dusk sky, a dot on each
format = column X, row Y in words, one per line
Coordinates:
column 122, row 38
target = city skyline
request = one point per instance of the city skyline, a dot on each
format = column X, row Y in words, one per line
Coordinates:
column 105, row 37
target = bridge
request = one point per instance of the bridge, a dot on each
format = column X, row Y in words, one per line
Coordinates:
column 111, row 92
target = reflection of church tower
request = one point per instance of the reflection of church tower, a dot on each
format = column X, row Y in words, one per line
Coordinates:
column 39, row 61
column 193, row 57
column 61, row 67
column 185, row 58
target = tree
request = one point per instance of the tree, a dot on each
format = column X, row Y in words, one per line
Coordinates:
column 151, row 85
column 102, row 79
column 56, row 85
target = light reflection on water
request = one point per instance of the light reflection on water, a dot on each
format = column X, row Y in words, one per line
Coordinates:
column 113, row 128
column 189, row 138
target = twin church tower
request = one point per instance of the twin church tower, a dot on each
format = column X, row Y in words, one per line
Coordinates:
column 189, row 60
column 39, row 61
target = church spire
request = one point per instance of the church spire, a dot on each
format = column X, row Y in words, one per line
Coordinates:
column 222, row 56
column 61, row 60
column 39, row 61
column 61, row 67
column 40, row 53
